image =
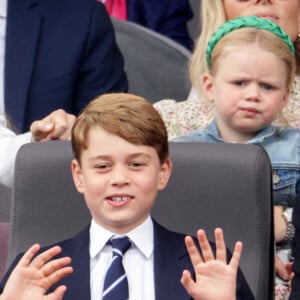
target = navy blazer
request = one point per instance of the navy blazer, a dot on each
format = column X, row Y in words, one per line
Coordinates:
column 170, row 259
column 59, row 54
column 295, row 293
column 167, row 17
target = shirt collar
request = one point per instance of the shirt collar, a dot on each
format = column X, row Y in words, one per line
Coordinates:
column 141, row 237
column 268, row 131
column 3, row 8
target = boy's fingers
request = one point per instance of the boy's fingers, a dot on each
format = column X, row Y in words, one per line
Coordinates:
column 59, row 274
column 55, row 265
column 58, row 293
column 236, row 256
column 187, row 281
column 220, row 245
column 44, row 257
column 193, row 251
column 206, row 251
column 28, row 255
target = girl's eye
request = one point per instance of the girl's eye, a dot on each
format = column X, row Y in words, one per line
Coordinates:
column 240, row 83
column 266, row 86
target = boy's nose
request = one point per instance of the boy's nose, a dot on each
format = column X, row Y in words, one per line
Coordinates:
column 119, row 176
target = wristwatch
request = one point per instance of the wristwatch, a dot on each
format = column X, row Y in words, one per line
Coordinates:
column 290, row 232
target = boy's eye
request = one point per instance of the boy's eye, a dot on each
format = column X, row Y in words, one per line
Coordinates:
column 136, row 164
column 102, row 166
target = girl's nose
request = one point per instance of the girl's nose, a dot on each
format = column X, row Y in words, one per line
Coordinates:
column 252, row 92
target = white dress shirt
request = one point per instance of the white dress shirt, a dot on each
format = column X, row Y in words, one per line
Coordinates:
column 137, row 261
column 9, row 146
column 3, row 15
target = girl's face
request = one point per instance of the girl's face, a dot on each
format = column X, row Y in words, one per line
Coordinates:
column 248, row 90
column 286, row 13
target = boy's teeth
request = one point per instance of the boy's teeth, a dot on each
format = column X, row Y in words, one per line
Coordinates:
column 119, row 199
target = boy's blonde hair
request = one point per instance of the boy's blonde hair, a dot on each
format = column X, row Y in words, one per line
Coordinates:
column 212, row 16
column 128, row 116
column 264, row 39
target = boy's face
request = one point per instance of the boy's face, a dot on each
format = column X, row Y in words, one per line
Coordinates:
column 248, row 90
column 119, row 180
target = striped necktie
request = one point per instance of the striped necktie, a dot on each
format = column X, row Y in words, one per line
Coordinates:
column 115, row 282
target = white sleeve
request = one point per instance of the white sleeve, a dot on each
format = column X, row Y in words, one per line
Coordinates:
column 9, row 146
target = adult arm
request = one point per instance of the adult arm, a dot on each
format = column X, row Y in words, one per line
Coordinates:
column 56, row 126
column 9, row 146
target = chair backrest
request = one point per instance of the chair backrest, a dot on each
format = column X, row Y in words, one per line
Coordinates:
column 226, row 185
column 5, row 200
column 194, row 25
column 156, row 66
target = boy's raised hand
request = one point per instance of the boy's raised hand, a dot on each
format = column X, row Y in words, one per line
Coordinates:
column 32, row 277
column 215, row 279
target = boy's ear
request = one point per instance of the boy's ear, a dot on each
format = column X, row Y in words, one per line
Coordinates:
column 207, row 86
column 165, row 173
column 77, row 176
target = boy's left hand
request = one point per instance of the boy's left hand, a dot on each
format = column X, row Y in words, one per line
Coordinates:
column 215, row 279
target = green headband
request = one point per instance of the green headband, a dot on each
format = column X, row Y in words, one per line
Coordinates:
column 251, row 21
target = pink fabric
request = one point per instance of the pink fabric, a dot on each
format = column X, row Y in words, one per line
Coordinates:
column 117, row 9
column 4, row 237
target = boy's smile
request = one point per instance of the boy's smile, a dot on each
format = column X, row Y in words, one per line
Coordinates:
column 119, row 180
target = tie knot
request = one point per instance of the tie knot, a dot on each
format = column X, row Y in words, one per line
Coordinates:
column 120, row 245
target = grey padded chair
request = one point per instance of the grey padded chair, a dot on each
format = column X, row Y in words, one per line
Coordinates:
column 5, row 198
column 226, row 185
column 194, row 25
column 5, row 201
column 156, row 66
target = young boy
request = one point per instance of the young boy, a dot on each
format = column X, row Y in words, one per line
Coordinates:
column 121, row 160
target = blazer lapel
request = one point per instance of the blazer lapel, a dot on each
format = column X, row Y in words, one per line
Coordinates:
column 170, row 259
column 23, row 25
column 78, row 282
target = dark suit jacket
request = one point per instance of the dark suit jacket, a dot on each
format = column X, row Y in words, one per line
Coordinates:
column 168, row 17
column 59, row 54
column 170, row 259
column 295, row 294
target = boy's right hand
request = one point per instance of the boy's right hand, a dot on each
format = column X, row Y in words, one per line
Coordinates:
column 34, row 276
